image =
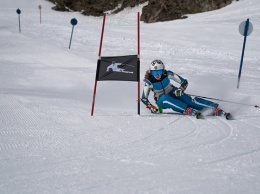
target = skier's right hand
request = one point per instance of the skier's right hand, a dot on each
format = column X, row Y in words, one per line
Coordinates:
column 152, row 108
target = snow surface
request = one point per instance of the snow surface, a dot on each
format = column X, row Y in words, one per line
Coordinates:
column 49, row 143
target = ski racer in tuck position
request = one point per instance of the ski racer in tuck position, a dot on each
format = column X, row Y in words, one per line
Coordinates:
column 167, row 96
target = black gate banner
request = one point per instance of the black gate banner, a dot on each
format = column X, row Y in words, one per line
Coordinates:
column 121, row 68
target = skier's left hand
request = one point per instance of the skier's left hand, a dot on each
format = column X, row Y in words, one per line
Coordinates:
column 184, row 85
column 178, row 92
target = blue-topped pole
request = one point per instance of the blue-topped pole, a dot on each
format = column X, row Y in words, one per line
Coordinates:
column 246, row 28
column 40, row 8
column 73, row 23
column 18, row 11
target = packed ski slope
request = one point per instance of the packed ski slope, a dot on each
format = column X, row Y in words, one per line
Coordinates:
column 49, row 143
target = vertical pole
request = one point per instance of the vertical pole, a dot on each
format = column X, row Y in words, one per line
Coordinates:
column 40, row 9
column 102, row 34
column 94, row 98
column 138, row 62
column 242, row 57
column 71, row 35
column 19, row 23
column 18, row 11
column 99, row 55
column 40, row 16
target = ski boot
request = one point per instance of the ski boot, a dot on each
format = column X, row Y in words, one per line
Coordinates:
column 193, row 112
column 220, row 112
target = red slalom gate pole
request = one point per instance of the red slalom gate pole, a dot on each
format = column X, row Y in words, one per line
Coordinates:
column 138, row 62
column 99, row 55
column 102, row 34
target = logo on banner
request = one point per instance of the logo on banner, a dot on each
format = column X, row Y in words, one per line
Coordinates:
column 115, row 67
column 121, row 68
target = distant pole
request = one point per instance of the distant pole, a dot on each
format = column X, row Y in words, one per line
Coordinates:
column 245, row 29
column 71, row 36
column 73, row 22
column 40, row 8
column 18, row 11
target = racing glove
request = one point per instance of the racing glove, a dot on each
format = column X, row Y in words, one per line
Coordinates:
column 181, row 89
column 151, row 107
column 178, row 92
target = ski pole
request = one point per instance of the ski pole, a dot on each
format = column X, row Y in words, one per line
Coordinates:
column 256, row 106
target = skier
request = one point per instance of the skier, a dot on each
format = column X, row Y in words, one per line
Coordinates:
column 167, row 95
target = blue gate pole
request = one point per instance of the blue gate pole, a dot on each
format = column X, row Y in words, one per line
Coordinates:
column 73, row 23
column 243, row 51
column 18, row 11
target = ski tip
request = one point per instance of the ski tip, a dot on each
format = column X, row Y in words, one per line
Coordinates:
column 198, row 115
column 228, row 116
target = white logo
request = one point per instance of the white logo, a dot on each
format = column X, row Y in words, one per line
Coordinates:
column 114, row 67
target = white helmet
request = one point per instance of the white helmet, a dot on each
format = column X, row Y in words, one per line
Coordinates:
column 156, row 65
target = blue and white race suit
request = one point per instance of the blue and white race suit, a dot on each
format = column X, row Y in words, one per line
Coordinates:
column 164, row 94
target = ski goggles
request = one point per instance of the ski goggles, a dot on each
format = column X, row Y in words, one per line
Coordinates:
column 157, row 72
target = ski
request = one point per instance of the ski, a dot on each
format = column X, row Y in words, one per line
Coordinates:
column 227, row 116
column 198, row 115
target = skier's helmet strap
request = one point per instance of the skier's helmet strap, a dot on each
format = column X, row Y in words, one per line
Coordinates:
column 156, row 65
